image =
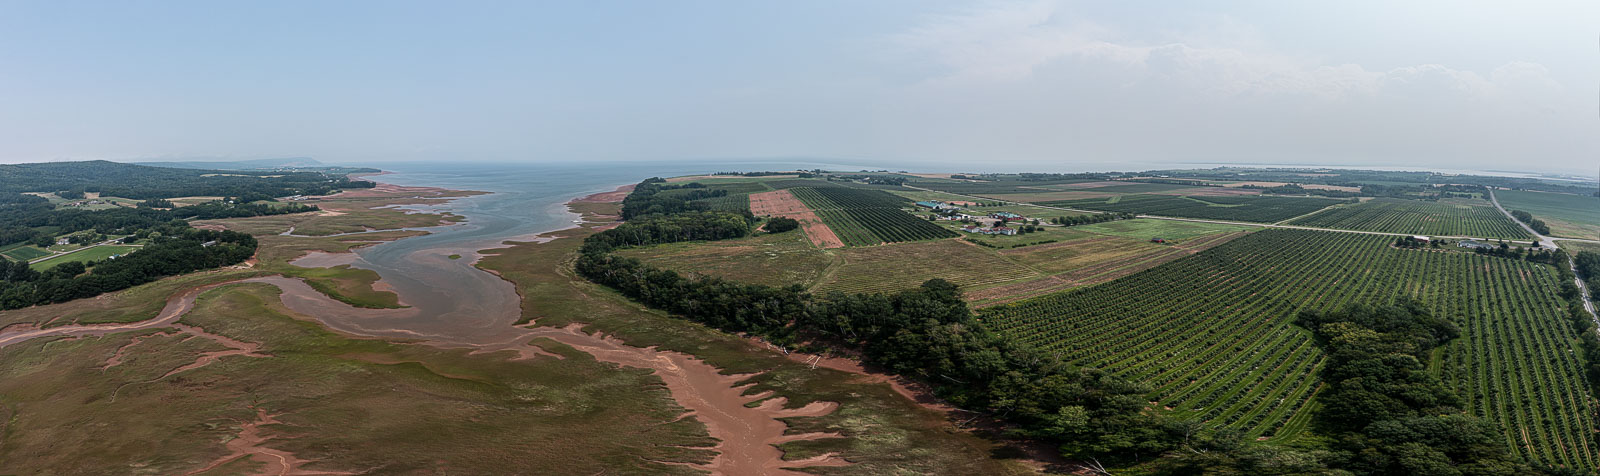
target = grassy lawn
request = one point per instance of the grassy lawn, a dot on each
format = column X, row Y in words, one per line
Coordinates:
column 344, row 404
column 187, row 201
column 1171, row 230
column 898, row 266
column 1086, row 250
column 24, row 253
column 1569, row 216
column 91, row 254
column 1049, row 233
column 777, row 259
column 1575, row 247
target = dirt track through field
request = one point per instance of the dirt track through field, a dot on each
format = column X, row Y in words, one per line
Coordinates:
column 781, row 203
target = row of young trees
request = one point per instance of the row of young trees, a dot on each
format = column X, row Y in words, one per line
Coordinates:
column 1536, row 224
column 1090, row 218
column 174, row 249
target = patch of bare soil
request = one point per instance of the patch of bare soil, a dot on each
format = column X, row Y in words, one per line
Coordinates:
column 746, row 434
column 784, row 204
column 1042, row 456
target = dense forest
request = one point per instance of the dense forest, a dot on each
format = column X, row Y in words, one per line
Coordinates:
column 142, row 182
column 173, row 249
column 25, row 218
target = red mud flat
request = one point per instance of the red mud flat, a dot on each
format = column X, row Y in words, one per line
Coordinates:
column 249, row 444
column 614, row 196
column 1042, row 456
column 781, row 203
column 389, row 190
column 746, row 434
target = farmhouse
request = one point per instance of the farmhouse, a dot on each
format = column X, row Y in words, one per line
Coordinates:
column 1420, row 238
column 1472, row 244
column 1006, row 216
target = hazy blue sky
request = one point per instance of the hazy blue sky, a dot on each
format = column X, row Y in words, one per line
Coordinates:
column 1506, row 85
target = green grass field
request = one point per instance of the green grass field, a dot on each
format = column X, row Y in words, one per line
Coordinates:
column 898, row 266
column 1450, row 217
column 1212, row 334
column 1569, row 216
column 24, row 253
column 778, row 259
column 1247, row 208
column 1171, row 230
column 1574, row 246
column 91, row 254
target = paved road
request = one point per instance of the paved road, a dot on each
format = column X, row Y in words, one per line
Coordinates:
column 1572, row 262
column 1241, row 223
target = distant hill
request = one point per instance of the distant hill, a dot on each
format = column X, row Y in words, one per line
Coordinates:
column 256, row 164
column 143, row 181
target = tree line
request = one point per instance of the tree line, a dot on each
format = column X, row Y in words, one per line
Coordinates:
column 174, row 249
column 39, row 221
column 1536, row 224
column 141, row 182
column 1090, row 218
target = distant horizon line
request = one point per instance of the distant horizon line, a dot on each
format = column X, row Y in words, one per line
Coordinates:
column 900, row 164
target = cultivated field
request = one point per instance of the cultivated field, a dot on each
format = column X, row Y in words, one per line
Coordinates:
column 898, row 266
column 1569, row 216
column 1170, row 230
column 24, row 253
column 781, row 203
column 1452, row 217
column 1087, row 262
column 1260, row 209
column 91, row 254
column 868, row 217
column 1212, row 333
column 779, row 259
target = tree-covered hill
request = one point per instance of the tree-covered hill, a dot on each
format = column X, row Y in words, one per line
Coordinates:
column 143, row 182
